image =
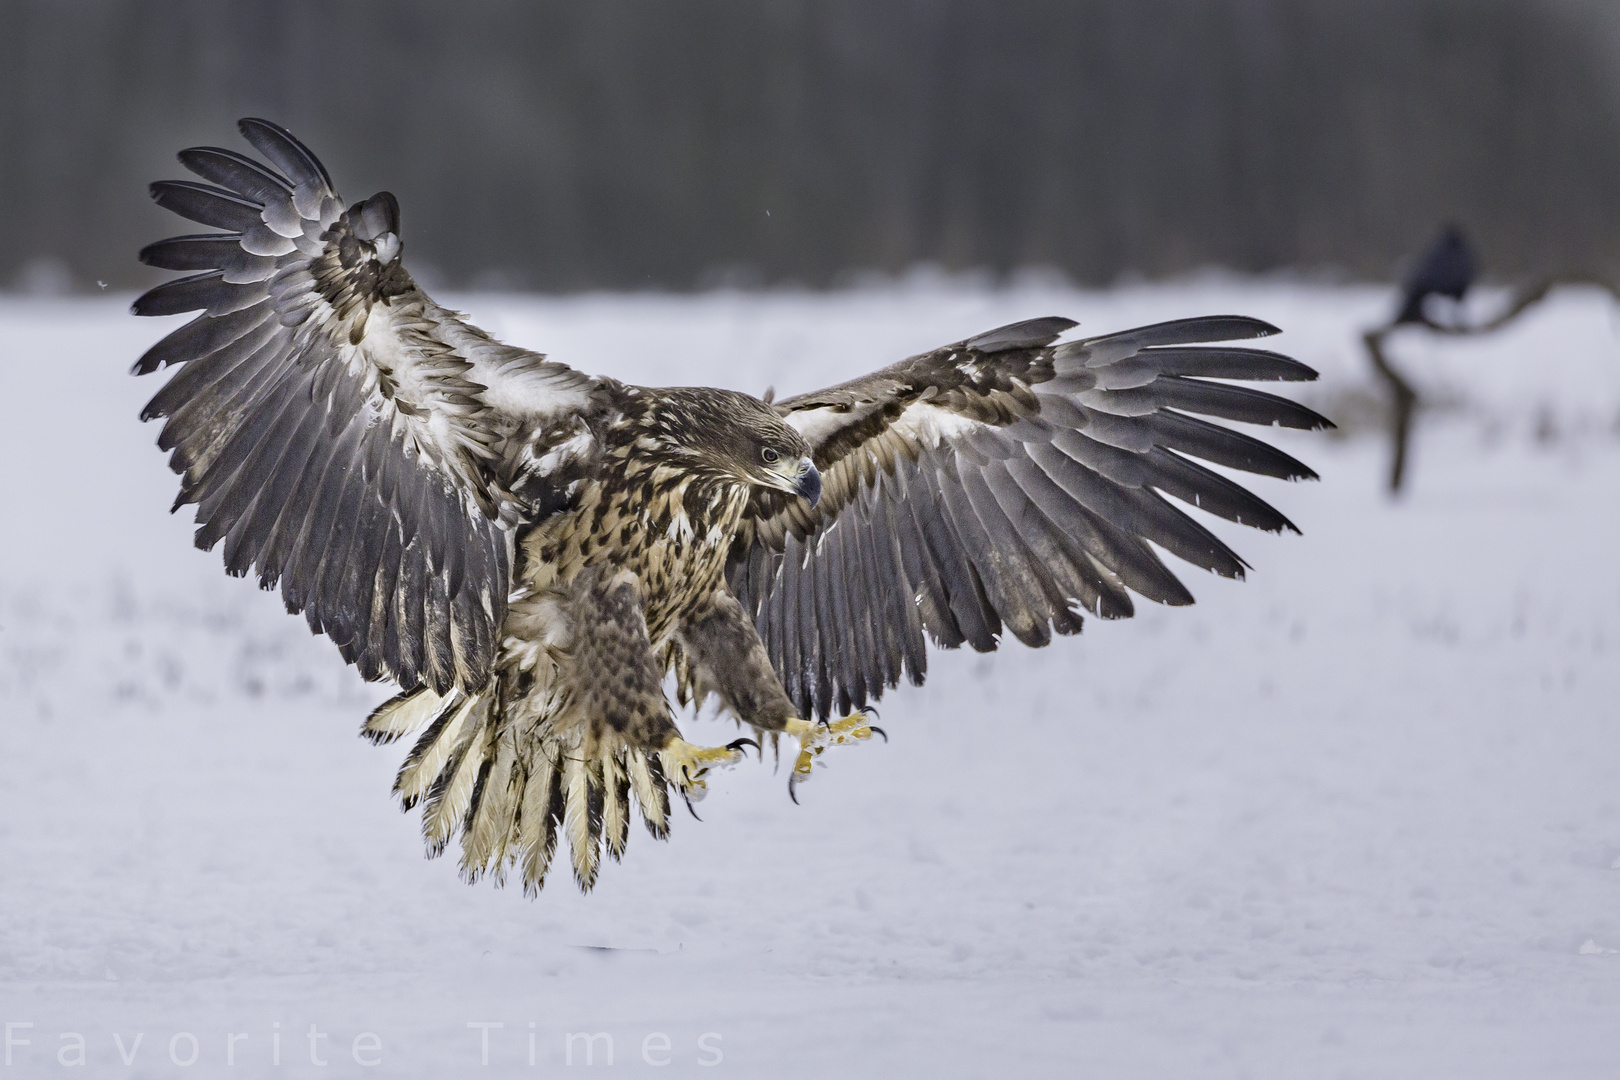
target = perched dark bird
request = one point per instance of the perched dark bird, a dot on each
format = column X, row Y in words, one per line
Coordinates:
column 527, row 550
column 1447, row 269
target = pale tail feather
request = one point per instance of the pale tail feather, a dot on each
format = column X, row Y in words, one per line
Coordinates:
column 448, row 800
column 405, row 713
column 427, row 758
column 509, row 792
column 492, row 818
column 652, row 795
column 582, row 847
column 615, row 805
column 539, row 819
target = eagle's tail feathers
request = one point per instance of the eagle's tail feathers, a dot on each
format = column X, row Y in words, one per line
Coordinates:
column 428, row 757
column 542, row 812
column 405, row 713
column 492, row 817
column 583, row 841
column 450, row 798
column 652, row 792
column 616, row 805
column 510, row 789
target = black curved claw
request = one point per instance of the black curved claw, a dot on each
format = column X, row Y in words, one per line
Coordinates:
column 688, row 800
column 793, row 780
column 880, row 731
column 738, row 744
column 872, row 710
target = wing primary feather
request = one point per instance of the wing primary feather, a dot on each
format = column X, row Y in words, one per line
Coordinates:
column 1214, row 362
column 905, row 620
column 838, row 632
column 1141, row 512
column 329, row 546
column 1062, row 570
column 1025, row 602
column 202, row 337
column 206, row 205
column 240, row 174
column 350, row 577
column 302, row 577
column 821, row 624
column 886, row 619
column 212, row 378
column 255, row 484
column 932, row 598
column 214, row 467
column 200, row 426
column 1201, row 439
column 968, row 601
column 1239, row 403
column 1207, row 490
column 206, row 251
column 258, row 527
column 1029, row 334
column 407, row 616
column 285, row 152
column 1008, row 591
column 291, row 526
column 383, row 649
column 857, row 590
column 1124, row 554
column 1193, row 331
column 781, row 606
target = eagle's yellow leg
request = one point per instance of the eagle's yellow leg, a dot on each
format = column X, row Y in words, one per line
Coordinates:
column 815, row 738
column 686, row 765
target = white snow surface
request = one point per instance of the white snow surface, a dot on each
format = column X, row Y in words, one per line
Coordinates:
column 1356, row 816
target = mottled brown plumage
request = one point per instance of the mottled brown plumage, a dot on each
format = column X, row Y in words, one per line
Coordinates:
column 527, row 550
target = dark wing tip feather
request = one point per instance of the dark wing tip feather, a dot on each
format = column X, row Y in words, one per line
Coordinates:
column 199, row 251
column 1198, row 330
column 1236, row 327
column 1240, row 403
column 176, row 297
column 284, row 150
column 206, row 204
column 1028, row 334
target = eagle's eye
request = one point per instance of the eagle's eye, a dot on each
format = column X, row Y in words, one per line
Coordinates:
column 771, row 456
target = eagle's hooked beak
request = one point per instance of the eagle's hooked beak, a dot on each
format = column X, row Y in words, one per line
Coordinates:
column 809, row 485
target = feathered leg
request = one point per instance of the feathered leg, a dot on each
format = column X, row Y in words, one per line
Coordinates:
column 621, row 686
column 725, row 657
column 574, row 725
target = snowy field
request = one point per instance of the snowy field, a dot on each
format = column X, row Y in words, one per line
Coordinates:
column 1358, row 816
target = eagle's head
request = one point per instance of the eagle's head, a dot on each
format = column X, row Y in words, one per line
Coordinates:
column 726, row 435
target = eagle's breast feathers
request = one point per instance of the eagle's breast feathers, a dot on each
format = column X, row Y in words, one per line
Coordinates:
column 641, row 507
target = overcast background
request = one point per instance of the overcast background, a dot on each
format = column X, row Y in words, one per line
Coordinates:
column 624, row 144
column 1353, row 817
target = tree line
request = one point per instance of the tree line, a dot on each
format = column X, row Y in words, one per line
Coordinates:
column 679, row 143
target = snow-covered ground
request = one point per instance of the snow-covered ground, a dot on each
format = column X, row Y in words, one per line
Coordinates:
column 1357, row 816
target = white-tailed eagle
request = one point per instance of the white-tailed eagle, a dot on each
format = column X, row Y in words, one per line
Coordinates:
column 527, row 550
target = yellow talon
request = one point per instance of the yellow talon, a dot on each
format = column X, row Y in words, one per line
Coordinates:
column 686, row 765
column 815, row 738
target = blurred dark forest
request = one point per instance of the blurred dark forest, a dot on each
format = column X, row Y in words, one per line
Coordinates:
column 684, row 143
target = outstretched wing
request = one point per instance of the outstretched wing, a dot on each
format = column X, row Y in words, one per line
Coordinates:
column 1003, row 483
column 338, row 431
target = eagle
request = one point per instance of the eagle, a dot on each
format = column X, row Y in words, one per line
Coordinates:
column 530, row 552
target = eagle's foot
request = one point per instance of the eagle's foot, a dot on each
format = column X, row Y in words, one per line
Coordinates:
column 815, row 738
column 686, row 765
